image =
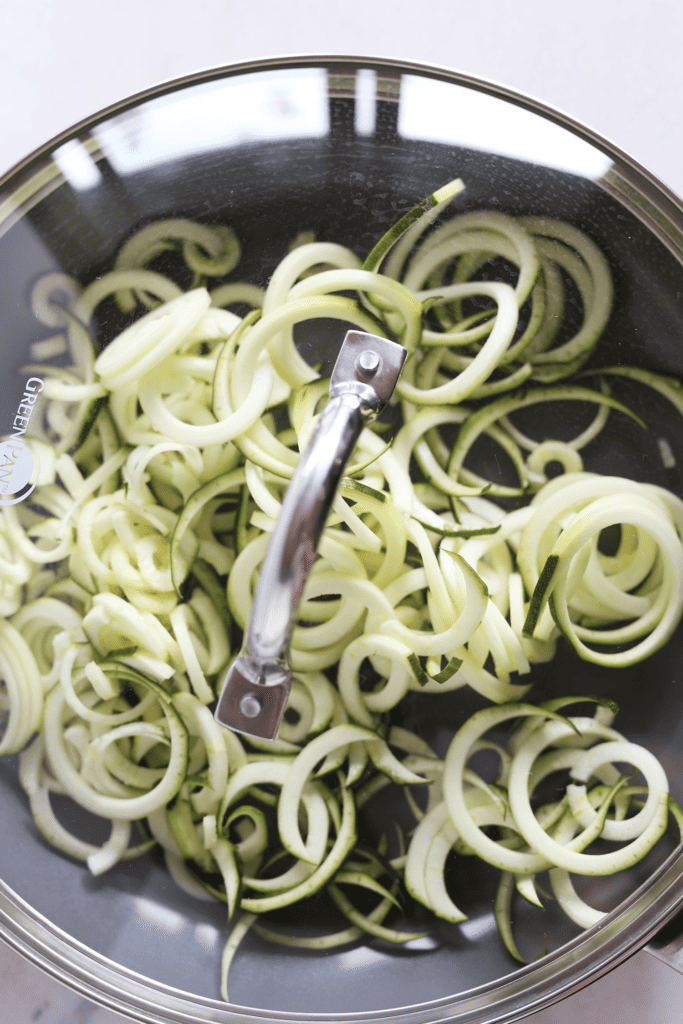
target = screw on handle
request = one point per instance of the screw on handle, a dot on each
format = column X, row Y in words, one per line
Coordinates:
column 257, row 684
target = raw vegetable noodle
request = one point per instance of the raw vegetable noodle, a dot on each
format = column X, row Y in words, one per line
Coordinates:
column 127, row 580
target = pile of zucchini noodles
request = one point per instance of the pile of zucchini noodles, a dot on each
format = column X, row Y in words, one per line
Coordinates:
column 125, row 582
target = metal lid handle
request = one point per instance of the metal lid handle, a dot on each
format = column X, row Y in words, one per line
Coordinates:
column 257, row 684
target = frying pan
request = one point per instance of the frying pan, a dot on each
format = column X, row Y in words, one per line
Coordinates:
column 342, row 147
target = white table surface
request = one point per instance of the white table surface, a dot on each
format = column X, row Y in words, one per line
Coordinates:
column 615, row 65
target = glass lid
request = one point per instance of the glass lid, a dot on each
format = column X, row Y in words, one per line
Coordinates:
column 333, row 150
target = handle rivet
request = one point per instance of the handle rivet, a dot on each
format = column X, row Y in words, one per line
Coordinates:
column 368, row 363
column 250, row 705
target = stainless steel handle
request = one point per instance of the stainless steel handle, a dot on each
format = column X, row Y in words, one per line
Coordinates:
column 257, row 684
column 667, row 944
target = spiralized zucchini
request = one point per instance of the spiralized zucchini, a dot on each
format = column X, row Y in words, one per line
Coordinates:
column 126, row 583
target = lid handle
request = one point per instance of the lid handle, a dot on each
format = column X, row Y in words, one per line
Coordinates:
column 257, row 684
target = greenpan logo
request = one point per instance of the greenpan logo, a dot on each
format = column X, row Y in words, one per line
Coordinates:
column 19, row 468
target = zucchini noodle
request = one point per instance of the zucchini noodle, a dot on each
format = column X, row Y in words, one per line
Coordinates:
column 126, row 582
